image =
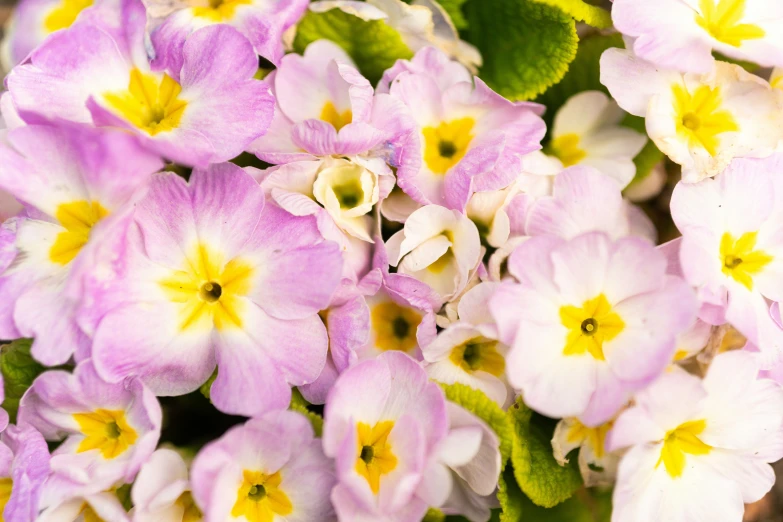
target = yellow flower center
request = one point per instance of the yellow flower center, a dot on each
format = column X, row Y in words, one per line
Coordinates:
column 209, row 291
column 479, row 354
column 566, row 149
column 260, row 498
column 151, row 103
column 88, row 514
column 105, row 430
column 699, row 118
column 740, row 259
column 374, row 457
column 190, row 511
column 64, row 14
column 446, row 144
column 6, row 485
column 722, row 21
column 679, row 441
column 78, row 218
column 219, row 10
column 580, row 434
column 395, row 326
column 338, row 120
column 590, row 326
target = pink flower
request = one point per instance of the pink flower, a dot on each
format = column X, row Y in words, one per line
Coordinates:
column 207, row 111
column 271, row 464
column 211, row 275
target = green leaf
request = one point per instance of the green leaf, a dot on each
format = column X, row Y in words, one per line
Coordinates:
column 538, row 474
column 583, row 74
column 510, row 497
column 434, row 515
column 486, row 409
column 19, row 370
column 207, row 386
column 526, row 45
column 299, row 404
column 454, row 10
column 594, row 505
column 583, row 12
column 373, row 44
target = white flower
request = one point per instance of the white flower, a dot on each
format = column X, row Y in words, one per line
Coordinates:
column 587, row 131
column 598, row 466
column 468, row 350
column 437, row 246
column 698, row 449
column 701, row 121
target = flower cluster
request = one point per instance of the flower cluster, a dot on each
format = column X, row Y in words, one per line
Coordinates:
column 248, row 279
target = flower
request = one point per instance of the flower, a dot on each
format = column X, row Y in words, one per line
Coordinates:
column 401, row 311
column 341, row 194
column 73, row 191
column 683, row 34
column 470, row 456
column 698, row 449
column 263, row 22
column 109, row 429
column 324, row 106
column 584, row 200
column 597, row 465
column 92, row 505
column 466, row 137
column 213, row 275
column 590, row 321
column 24, row 466
column 161, row 492
column 422, row 24
column 270, row 467
column 731, row 247
column 437, row 246
column 32, row 21
column 208, row 111
column 383, row 423
column 468, row 351
column 587, row 131
column 701, row 121
column 347, row 321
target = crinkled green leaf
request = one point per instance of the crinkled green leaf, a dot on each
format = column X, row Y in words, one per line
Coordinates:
column 485, row 409
column 583, row 12
column 434, row 515
column 538, row 474
column 299, row 404
column 582, row 507
column 454, row 9
column 19, row 370
column 583, row 74
column 510, row 497
column 373, row 45
column 526, row 46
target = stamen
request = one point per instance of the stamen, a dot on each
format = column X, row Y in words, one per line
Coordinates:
column 257, row 492
column 589, row 326
column 691, row 121
column 732, row 261
column 368, row 453
column 447, row 149
column 113, row 431
column 210, row 292
column 401, row 327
